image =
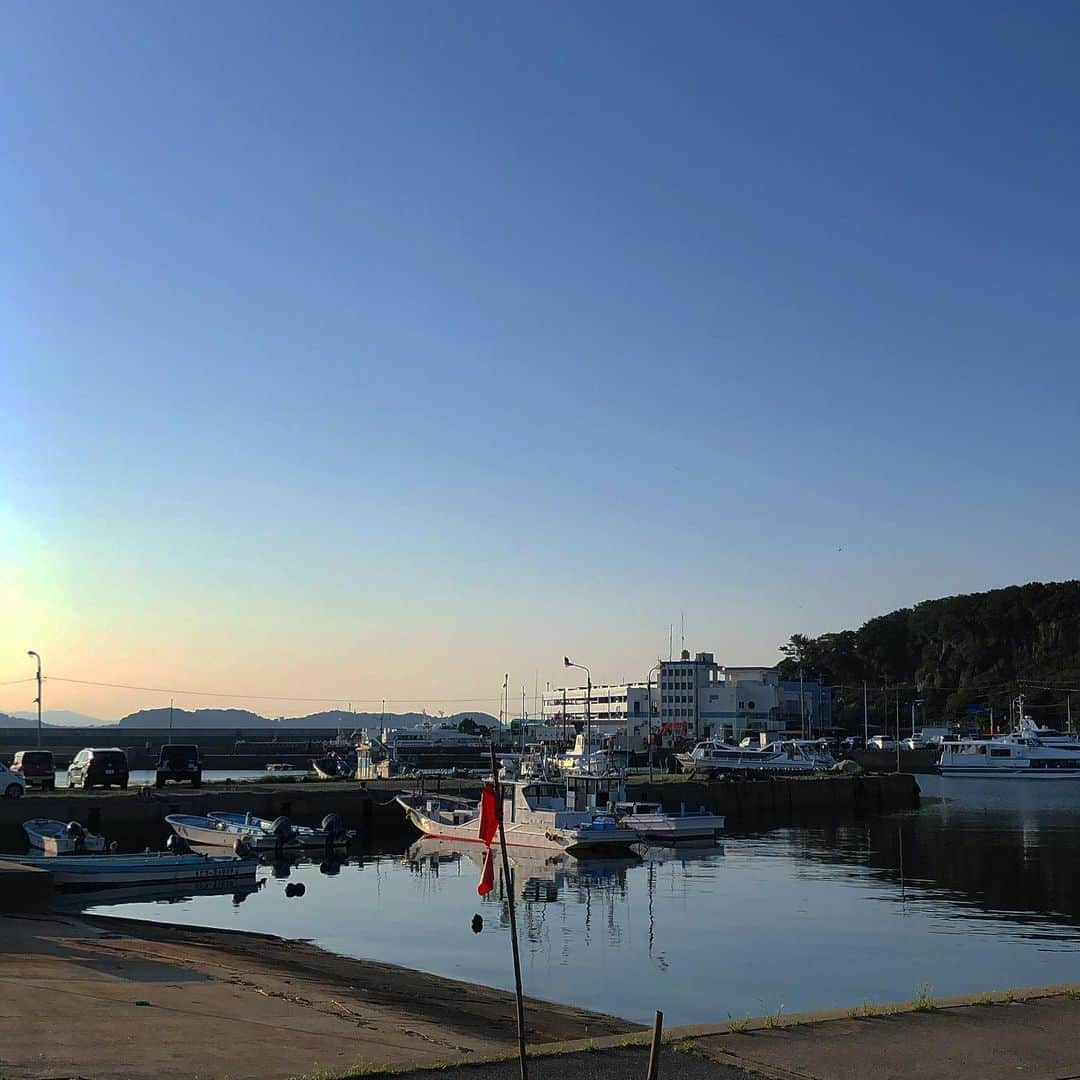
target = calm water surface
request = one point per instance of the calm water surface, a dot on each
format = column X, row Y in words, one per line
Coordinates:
column 147, row 777
column 976, row 890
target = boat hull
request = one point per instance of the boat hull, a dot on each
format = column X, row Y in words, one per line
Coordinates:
column 93, row 871
column 303, row 835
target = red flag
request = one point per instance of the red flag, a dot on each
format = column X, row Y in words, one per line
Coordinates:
column 489, row 818
column 487, row 875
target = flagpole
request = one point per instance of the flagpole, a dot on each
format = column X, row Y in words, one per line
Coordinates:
column 513, row 917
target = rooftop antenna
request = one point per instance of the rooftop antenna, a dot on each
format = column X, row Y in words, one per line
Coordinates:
column 670, row 631
column 682, row 630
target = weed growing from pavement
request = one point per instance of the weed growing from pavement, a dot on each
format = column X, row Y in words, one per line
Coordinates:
column 922, row 1001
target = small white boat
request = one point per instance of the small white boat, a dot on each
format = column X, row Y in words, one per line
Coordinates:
column 656, row 826
column 92, row 871
column 196, row 829
column 535, row 815
column 1008, row 757
column 332, row 832
column 62, row 838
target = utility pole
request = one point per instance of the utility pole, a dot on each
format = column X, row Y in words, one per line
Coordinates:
column 1068, row 712
column 865, row 717
column 802, row 707
column 31, row 652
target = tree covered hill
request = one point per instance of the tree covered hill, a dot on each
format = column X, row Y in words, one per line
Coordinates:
column 955, row 654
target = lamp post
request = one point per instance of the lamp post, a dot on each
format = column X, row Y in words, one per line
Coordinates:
column 567, row 662
column 30, row 652
column 648, row 690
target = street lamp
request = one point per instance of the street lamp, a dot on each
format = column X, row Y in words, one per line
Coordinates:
column 30, row 652
column 567, row 662
column 648, row 690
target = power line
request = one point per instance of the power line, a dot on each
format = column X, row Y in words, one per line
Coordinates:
column 14, row 682
column 259, row 697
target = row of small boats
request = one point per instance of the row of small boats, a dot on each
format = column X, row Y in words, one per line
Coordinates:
column 228, row 847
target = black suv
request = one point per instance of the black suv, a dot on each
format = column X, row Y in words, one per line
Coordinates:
column 179, row 762
column 95, row 767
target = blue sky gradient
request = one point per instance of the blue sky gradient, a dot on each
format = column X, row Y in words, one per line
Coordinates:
column 384, row 348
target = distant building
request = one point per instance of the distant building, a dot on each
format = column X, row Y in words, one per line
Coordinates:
column 700, row 699
column 694, row 697
column 619, row 709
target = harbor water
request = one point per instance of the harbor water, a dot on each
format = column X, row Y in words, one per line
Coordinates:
column 975, row 890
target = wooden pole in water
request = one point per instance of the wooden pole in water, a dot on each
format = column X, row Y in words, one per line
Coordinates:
column 654, row 1049
column 513, row 917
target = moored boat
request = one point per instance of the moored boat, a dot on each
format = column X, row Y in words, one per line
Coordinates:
column 332, row 831
column 62, row 838
column 535, row 815
column 1008, row 758
column 93, row 871
column 655, row 825
column 782, row 756
column 197, row 829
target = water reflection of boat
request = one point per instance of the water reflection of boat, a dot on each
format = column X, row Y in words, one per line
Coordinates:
column 174, row 893
column 539, row 876
column 283, row 863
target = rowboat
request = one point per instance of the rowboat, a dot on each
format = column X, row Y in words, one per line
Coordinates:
column 62, row 838
column 332, row 831
column 152, row 867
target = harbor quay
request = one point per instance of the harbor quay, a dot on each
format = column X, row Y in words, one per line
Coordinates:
column 369, row 807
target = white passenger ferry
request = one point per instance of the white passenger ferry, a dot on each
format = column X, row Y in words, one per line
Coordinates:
column 783, row 756
column 1008, row 757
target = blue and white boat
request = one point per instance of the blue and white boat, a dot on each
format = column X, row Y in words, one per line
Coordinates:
column 152, row 867
column 331, row 833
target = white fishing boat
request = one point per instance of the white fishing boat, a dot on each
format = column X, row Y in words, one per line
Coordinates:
column 535, row 815
column 1046, row 736
column 208, row 831
column 1008, row 758
column 93, row 871
column 655, row 825
column 331, row 833
column 62, row 838
column 783, row 756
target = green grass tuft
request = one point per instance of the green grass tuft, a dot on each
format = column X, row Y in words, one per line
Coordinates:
column 922, row 1001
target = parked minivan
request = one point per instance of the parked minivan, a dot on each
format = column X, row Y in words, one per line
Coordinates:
column 38, row 767
column 98, row 767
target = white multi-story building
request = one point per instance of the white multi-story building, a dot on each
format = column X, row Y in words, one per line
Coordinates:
column 619, row 709
column 700, row 698
column 693, row 697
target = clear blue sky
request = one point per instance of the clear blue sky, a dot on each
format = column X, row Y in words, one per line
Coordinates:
column 383, row 348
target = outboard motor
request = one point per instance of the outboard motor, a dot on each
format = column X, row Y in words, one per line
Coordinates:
column 241, row 848
column 281, row 827
column 333, row 826
column 74, row 830
column 176, row 845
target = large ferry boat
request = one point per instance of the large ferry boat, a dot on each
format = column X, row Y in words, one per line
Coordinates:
column 784, row 756
column 1008, row 757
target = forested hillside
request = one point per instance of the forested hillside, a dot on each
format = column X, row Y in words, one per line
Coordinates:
column 955, row 654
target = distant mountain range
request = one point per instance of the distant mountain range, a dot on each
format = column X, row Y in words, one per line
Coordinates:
column 60, row 718
column 239, row 718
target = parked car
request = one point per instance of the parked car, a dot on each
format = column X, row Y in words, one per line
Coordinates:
column 911, row 743
column 881, row 742
column 12, row 783
column 98, row 767
column 851, row 743
column 37, row 767
column 179, row 762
